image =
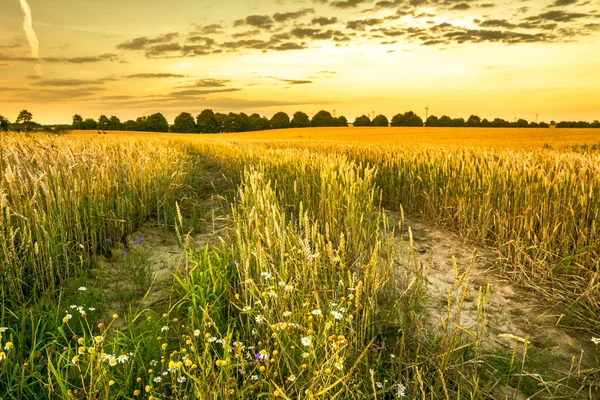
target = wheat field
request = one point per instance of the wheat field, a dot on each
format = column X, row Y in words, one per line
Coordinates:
column 314, row 289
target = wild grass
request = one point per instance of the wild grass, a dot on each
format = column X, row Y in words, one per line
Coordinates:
column 309, row 294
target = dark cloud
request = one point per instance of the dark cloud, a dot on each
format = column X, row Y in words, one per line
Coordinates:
column 460, row 6
column 361, row 24
column 562, row 3
column 257, row 21
column 557, row 16
column 141, row 43
column 209, row 83
column 291, row 81
column 71, row 60
column 67, row 82
column 195, row 92
column 211, row 29
column 322, row 21
column 154, row 75
column 348, row 3
column 283, row 17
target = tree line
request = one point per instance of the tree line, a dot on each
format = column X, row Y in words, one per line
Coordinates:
column 210, row 122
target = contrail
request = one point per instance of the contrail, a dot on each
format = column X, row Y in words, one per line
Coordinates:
column 34, row 43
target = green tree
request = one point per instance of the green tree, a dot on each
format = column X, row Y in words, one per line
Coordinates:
column 521, row 123
column 473, row 121
column 258, row 123
column 409, row 118
column 458, row 122
column 363, row 120
column 130, row 125
column 89, row 124
column 184, row 123
column 432, row 120
column 485, row 123
column 157, row 123
column 206, row 122
column 500, row 123
column 114, row 123
column 77, row 121
column 103, row 122
column 24, row 116
column 341, row 121
column 280, row 121
column 322, row 118
column 380, row 120
column 445, row 121
column 4, row 123
column 141, row 124
column 300, row 120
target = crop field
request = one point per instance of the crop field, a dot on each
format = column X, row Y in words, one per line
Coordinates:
column 317, row 263
column 513, row 138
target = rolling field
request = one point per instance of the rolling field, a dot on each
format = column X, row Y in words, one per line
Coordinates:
column 307, row 263
column 513, row 138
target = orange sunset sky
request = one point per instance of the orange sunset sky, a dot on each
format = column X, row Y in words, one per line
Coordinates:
column 459, row 57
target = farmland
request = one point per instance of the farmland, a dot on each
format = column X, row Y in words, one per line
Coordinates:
column 302, row 263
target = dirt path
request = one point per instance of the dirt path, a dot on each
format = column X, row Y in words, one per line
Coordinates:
column 140, row 274
column 510, row 309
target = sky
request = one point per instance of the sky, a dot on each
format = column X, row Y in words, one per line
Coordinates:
column 508, row 59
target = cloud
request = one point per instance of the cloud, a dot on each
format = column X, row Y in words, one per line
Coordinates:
column 209, row 82
column 347, row 3
column 291, row 81
column 557, row 16
column 258, row 21
column 140, row 43
column 361, row 24
column 322, row 21
column 67, row 82
column 72, row 60
column 283, row 17
column 154, row 75
column 194, row 92
column 562, row 3
column 208, row 29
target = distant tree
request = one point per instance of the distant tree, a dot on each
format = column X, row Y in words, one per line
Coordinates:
column 380, row 120
column 206, row 122
column 184, row 123
column 473, row 121
column 432, row 120
column 409, row 118
column 521, row 123
column 445, row 121
column 258, row 123
column 77, row 121
column 242, row 122
column 4, row 123
column 222, row 121
column 500, row 123
column 103, row 122
column 485, row 123
column 24, row 116
column 300, row 120
column 595, row 124
column 552, row 122
column 89, row 124
column 534, row 125
column 322, row 118
column 341, row 121
column 114, row 123
column 363, row 120
column 142, row 124
column 458, row 122
column 130, row 125
column 280, row 121
column 157, row 123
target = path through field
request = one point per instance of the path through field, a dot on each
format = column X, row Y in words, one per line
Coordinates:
column 510, row 309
